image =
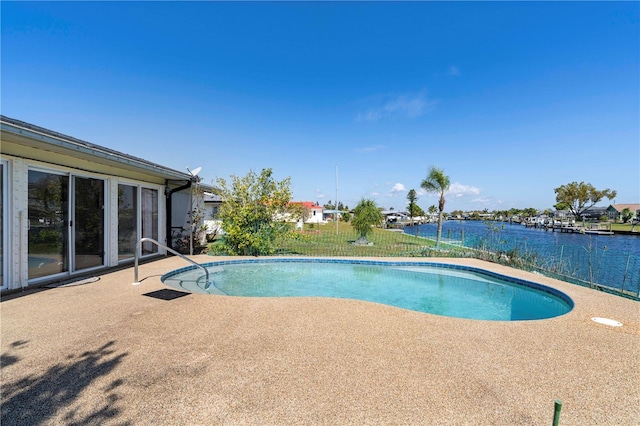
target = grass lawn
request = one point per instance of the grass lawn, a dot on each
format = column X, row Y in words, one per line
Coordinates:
column 625, row 227
column 321, row 240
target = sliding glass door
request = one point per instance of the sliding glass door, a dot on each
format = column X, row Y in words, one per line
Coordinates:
column 66, row 223
column 88, row 226
column 137, row 218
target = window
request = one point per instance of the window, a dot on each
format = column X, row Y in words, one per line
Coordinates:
column 137, row 218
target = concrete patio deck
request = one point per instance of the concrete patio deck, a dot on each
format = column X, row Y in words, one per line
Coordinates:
column 106, row 353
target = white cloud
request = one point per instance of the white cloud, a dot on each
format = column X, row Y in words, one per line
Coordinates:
column 481, row 200
column 375, row 194
column 402, row 106
column 398, row 187
column 459, row 190
column 456, row 190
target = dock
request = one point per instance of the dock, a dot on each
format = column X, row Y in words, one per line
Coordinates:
column 597, row 229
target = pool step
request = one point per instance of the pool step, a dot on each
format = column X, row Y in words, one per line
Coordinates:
column 194, row 282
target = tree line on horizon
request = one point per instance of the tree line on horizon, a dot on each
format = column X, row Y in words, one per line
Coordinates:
column 254, row 208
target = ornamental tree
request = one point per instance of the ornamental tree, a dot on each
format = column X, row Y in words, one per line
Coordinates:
column 365, row 215
column 253, row 212
column 579, row 197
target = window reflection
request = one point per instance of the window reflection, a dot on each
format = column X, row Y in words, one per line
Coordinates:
column 48, row 217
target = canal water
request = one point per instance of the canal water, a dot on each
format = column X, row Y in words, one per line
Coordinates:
column 608, row 260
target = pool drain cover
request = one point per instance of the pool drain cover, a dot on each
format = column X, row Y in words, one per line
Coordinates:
column 166, row 294
column 607, row 321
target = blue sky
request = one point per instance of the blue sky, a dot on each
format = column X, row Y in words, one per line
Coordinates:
column 510, row 99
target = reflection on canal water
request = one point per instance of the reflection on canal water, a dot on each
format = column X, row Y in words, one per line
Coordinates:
column 607, row 260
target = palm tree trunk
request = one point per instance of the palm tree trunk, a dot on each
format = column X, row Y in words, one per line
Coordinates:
column 439, row 235
column 440, row 217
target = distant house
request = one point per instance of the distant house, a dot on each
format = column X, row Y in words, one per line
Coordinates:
column 70, row 207
column 212, row 203
column 614, row 211
column 594, row 213
column 315, row 211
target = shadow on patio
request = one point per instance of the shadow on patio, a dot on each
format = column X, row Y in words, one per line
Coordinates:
column 36, row 399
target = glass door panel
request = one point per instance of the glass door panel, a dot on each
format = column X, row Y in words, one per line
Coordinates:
column 127, row 221
column 48, row 235
column 149, row 219
column 88, row 228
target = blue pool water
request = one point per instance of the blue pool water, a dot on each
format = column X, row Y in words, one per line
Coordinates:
column 448, row 290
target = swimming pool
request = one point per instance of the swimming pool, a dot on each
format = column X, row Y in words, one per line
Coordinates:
column 441, row 289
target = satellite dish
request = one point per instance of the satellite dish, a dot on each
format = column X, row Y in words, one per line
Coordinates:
column 195, row 171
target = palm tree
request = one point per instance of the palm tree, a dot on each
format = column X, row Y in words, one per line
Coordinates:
column 437, row 182
column 412, row 198
column 365, row 215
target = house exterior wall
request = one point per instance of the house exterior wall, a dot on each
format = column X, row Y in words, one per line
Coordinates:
column 17, row 211
column 315, row 216
column 615, row 214
column 183, row 205
column 211, row 210
column 25, row 152
column 180, row 211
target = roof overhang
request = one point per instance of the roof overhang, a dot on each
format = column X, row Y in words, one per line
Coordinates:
column 27, row 135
